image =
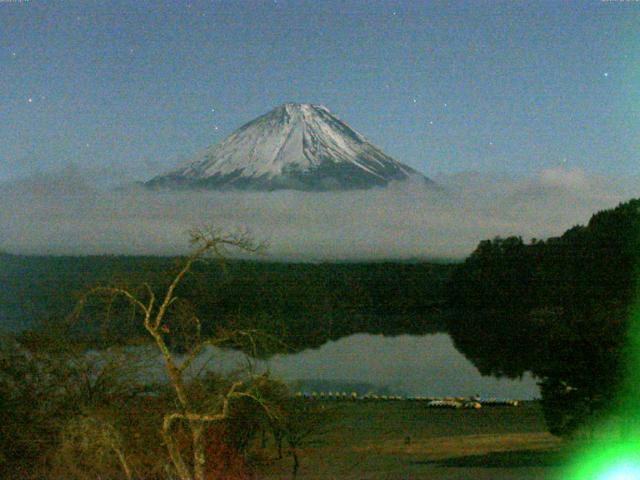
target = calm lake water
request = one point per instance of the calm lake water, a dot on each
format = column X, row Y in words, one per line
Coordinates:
column 405, row 365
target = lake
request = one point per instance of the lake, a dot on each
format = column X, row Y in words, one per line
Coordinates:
column 426, row 365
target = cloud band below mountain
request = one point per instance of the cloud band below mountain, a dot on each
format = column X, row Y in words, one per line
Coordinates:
column 65, row 214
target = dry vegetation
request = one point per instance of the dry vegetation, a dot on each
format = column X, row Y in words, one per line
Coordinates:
column 73, row 413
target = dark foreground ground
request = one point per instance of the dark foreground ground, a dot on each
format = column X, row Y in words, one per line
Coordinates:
column 405, row 440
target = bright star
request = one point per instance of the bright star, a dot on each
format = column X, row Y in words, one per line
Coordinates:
column 415, row 99
column 606, row 74
column 30, row 100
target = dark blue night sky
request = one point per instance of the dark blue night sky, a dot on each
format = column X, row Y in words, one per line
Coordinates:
column 131, row 88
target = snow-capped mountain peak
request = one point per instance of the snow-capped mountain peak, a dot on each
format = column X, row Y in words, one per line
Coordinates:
column 298, row 146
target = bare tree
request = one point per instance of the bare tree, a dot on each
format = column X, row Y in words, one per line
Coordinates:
column 92, row 439
column 303, row 422
column 46, row 385
column 156, row 311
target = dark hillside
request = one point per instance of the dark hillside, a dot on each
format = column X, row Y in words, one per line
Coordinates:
column 306, row 303
column 559, row 308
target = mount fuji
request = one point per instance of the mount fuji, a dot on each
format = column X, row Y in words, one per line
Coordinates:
column 295, row 146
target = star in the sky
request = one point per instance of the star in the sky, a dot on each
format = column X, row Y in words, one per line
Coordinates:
column 415, row 100
column 30, row 100
column 13, row 54
column 605, row 74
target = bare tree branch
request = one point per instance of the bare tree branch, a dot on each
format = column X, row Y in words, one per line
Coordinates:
column 206, row 241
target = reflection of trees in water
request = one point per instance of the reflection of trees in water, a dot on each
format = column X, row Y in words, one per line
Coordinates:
column 316, row 332
column 498, row 342
column 561, row 308
column 304, row 305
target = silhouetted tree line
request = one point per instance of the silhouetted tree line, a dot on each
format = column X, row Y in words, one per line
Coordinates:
column 558, row 308
column 303, row 304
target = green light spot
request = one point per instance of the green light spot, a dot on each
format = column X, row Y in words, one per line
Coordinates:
column 607, row 461
column 621, row 471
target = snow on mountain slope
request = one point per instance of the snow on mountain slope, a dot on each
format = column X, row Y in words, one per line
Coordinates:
column 295, row 146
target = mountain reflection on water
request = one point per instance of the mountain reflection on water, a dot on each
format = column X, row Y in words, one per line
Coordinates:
column 404, row 364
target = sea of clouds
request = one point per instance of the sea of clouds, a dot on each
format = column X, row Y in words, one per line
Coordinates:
column 66, row 212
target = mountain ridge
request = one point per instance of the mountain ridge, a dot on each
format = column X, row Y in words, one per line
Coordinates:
column 294, row 146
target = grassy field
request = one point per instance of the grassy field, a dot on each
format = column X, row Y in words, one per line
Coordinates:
column 405, row 440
